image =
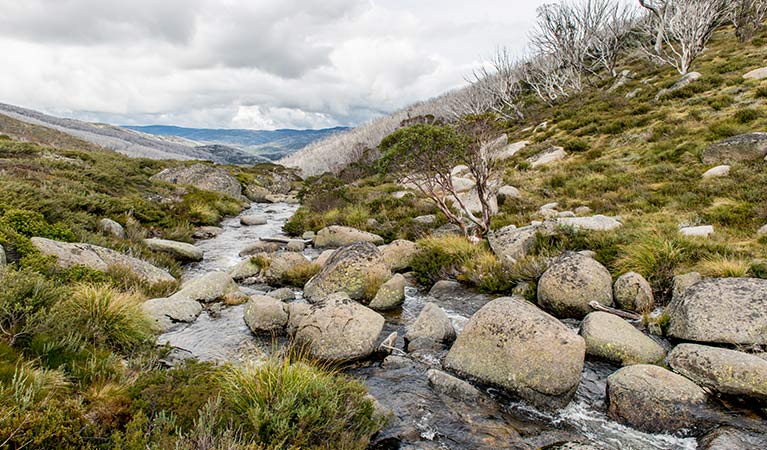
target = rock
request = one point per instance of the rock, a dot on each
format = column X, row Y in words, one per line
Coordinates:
column 762, row 231
column 295, row 245
column 338, row 329
column 296, row 313
column 180, row 251
column 463, row 184
column 354, row 269
column 308, row 236
column 684, row 81
column 725, row 371
column 257, row 194
column 446, row 289
column 741, row 148
column 109, row 226
column 728, row 438
column 510, row 244
column 446, row 384
column 264, row 314
column 283, row 263
column 459, row 170
column 683, row 282
column 653, row 399
column 511, row 150
column 263, row 247
column 246, row 269
column 448, row 229
column 512, row 344
column 401, row 194
column 211, row 287
column 548, row 156
column 324, row 257
column 338, row 236
column 506, row 193
column 207, row 232
column 169, row 313
column 567, row 214
column 611, row 338
column 722, row 310
column 203, row 177
column 431, row 328
column 99, row 258
column 256, row 219
column 390, row 295
column 583, row 210
column 699, row 231
column 3, row 259
column 571, row 282
column 633, row 293
column 470, row 200
column 718, row 171
column 593, row 223
column 552, row 206
column 428, row 219
column 756, row 74
column 282, row 294
column 398, row 255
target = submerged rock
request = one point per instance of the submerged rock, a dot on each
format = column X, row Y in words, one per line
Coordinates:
column 611, row 338
column 180, row 251
column 338, row 236
column 571, row 283
column 512, row 344
column 355, row 269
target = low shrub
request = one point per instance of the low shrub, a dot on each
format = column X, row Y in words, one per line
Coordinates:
column 442, row 258
column 25, row 299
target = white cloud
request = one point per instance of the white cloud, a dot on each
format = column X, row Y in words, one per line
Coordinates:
column 245, row 63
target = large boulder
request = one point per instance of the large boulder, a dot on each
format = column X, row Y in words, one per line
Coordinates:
column 112, row 228
column 390, row 295
column 653, row 399
column 611, row 338
column 512, row 344
column 264, row 314
column 632, row 292
column 548, row 156
column 721, row 310
column 211, row 287
column 203, row 177
column 730, row 438
column 510, row 243
column 169, row 313
column 338, row 329
column 357, row 269
column 722, row 370
column 338, row 236
column 571, row 283
column 741, row 148
column 431, row 329
column 99, row 258
column 399, row 254
column 180, row 251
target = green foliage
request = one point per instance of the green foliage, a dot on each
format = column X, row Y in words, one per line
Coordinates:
column 25, row 299
column 655, row 257
column 746, row 115
column 429, row 150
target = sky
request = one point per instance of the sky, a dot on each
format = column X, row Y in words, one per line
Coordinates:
column 258, row 64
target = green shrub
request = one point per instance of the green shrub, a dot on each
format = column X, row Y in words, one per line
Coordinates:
column 442, row 258
column 746, row 115
column 25, row 299
column 761, row 92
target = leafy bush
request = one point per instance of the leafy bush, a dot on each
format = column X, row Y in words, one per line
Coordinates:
column 746, row 115
column 25, row 299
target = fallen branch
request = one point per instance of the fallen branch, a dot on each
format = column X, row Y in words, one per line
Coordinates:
column 618, row 312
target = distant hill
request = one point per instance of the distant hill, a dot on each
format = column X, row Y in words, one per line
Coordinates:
column 273, row 144
column 128, row 142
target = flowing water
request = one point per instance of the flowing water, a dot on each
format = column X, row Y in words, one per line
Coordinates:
column 422, row 419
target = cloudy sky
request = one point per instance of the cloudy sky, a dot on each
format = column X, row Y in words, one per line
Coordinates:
column 258, row 64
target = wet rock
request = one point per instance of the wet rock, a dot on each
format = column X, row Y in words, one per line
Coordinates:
column 99, row 258
column 741, row 148
column 338, row 236
column 699, row 231
column 633, row 293
column 167, row 314
column 446, row 384
column 593, row 223
column 756, row 74
column 571, row 283
column 432, row 329
column 203, row 177
column 510, row 243
column 683, row 282
column 110, row 227
column 211, row 287
column 264, row 314
column 257, row 247
column 718, row 171
column 207, row 232
column 512, row 344
column 339, row 329
column 684, row 81
column 725, row 371
column 655, row 400
column 611, row 338
column 296, row 313
column 394, row 362
column 722, row 310
column 256, row 219
column 448, row 289
column 729, row 438
column 548, row 156
column 399, row 254
column 390, row 295
column 282, row 294
column 180, row 251
column 354, row 269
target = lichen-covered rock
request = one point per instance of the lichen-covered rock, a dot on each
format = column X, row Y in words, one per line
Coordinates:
column 548, row 156
column 510, row 243
column 571, row 283
column 683, row 282
column 726, row 371
column 339, row 236
column 741, row 148
column 99, row 258
column 254, row 248
column 355, row 269
column 257, row 193
column 324, row 257
column 632, row 292
column 296, row 313
column 281, row 264
column 512, row 344
column 211, row 287
column 264, row 314
column 431, row 329
column 390, row 295
column 721, row 310
column 203, row 177
column 169, row 313
column 338, row 329
column 655, row 400
column 109, row 226
column 180, row 251
column 399, row 254
column 611, row 338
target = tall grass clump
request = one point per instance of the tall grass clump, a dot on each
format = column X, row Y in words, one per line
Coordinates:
column 724, row 266
column 655, row 257
column 443, row 257
column 280, row 403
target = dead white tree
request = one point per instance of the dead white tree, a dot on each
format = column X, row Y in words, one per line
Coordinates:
column 748, row 17
column 500, row 82
column 607, row 25
column 549, row 79
column 681, row 28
